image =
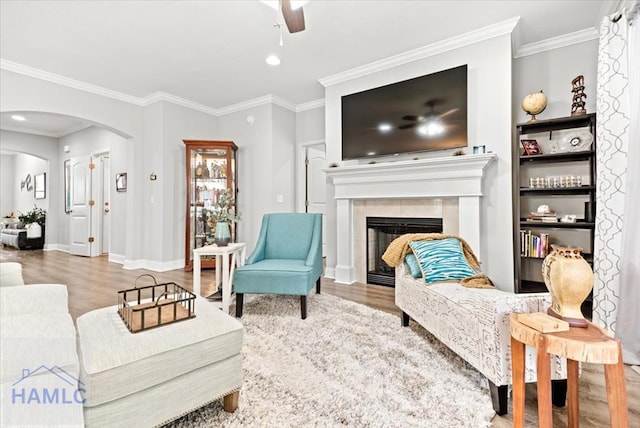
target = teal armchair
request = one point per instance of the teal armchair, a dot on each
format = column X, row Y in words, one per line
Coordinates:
column 287, row 259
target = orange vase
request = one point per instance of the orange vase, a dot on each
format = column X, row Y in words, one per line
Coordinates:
column 569, row 279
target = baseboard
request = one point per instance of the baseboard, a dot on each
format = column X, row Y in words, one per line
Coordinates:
column 153, row 265
column 56, row 247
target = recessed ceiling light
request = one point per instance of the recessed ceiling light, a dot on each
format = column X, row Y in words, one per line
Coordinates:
column 18, row 118
column 273, row 60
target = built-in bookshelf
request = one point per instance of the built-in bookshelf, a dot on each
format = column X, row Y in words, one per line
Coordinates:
column 554, row 193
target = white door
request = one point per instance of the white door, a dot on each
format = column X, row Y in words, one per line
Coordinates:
column 80, row 221
column 106, row 205
column 316, row 186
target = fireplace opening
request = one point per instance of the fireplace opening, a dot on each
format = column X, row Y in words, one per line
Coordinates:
column 381, row 231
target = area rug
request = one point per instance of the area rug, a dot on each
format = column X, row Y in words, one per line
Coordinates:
column 345, row 365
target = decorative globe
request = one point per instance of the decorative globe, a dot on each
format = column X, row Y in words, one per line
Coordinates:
column 534, row 104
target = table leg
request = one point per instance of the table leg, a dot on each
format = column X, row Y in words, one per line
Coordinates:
column 616, row 392
column 218, row 270
column 196, row 274
column 517, row 374
column 573, row 394
column 226, row 287
column 543, row 366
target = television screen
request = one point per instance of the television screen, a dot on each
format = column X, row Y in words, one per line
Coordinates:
column 421, row 114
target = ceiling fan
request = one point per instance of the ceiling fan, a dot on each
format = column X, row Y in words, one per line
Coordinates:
column 291, row 12
column 427, row 117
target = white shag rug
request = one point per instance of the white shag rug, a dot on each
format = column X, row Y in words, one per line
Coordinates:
column 345, row 365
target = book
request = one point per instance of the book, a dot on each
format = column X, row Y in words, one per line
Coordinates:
column 543, row 322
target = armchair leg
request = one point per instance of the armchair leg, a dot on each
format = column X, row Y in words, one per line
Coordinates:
column 318, row 286
column 239, row 301
column 303, row 306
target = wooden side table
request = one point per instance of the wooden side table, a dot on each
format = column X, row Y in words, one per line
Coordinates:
column 588, row 345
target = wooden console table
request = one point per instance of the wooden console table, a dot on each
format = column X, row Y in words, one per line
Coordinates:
column 588, row 345
column 226, row 260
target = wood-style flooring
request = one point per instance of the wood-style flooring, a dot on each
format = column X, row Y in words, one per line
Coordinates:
column 93, row 283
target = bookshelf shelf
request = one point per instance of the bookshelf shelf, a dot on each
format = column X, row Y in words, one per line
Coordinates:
column 533, row 239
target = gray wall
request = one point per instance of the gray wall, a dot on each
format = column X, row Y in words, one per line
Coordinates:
column 7, row 184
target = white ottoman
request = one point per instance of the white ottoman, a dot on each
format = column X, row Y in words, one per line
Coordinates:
column 155, row 376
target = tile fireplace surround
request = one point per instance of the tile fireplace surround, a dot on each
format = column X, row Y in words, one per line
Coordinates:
column 448, row 187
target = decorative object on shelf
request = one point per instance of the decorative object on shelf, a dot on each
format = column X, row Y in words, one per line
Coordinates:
column 576, row 141
column 534, row 104
column 578, row 102
column 569, row 279
column 531, row 147
column 121, row 182
column 222, row 236
column 458, row 153
column 479, row 149
column 568, row 218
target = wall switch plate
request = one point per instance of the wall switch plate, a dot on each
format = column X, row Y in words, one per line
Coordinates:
column 279, row 199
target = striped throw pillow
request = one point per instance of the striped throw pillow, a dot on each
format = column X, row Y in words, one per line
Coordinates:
column 441, row 260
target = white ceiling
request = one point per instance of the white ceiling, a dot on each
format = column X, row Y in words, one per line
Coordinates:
column 212, row 52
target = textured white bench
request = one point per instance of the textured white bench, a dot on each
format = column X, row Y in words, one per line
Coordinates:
column 474, row 323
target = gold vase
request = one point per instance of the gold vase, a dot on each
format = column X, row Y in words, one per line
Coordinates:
column 569, row 279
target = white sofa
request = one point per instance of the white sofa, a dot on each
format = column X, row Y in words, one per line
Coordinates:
column 474, row 323
column 39, row 365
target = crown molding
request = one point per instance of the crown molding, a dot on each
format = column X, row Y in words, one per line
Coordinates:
column 66, row 81
column 485, row 33
column 256, row 102
column 310, row 105
column 28, row 131
column 174, row 99
column 557, row 42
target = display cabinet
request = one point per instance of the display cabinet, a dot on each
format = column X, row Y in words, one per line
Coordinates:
column 211, row 167
column 554, row 182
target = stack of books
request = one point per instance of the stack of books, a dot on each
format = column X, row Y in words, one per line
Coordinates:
column 549, row 217
column 532, row 245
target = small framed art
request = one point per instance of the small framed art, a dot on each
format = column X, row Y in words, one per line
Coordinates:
column 40, row 191
column 531, row 147
column 121, row 182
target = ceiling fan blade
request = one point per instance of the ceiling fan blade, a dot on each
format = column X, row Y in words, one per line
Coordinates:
column 293, row 18
column 446, row 113
column 408, row 126
column 411, row 117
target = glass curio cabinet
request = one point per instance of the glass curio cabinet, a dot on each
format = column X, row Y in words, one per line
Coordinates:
column 211, row 168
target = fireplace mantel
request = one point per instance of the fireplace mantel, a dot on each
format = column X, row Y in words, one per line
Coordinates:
column 452, row 176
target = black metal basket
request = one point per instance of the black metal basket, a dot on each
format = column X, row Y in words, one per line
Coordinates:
column 143, row 308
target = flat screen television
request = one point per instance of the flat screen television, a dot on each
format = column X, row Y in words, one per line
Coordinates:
column 420, row 114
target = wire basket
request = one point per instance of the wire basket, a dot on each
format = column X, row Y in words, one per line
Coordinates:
column 143, row 308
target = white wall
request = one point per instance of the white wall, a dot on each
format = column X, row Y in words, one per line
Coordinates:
column 284, row 151
column 552, row 72
column 24, row 199
column 7, row 184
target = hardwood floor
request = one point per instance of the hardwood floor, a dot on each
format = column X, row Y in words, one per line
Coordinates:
column 93, row 282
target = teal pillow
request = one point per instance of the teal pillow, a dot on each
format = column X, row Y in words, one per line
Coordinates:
column 441, row 259
column 412, row 263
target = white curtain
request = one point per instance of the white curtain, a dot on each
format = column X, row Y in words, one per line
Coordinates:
column 617, row 242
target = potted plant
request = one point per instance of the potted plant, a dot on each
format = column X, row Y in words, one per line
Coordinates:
column 223, row 212
column 36, row 215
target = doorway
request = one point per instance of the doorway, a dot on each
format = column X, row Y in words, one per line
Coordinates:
column 312, row 196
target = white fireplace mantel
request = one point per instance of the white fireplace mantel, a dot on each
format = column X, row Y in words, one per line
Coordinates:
column 452, row 176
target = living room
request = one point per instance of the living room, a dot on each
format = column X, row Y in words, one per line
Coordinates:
column 143, row 133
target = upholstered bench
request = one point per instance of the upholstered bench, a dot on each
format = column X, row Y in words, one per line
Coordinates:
column 155, row 376
column 474, row 323
column 18, row 238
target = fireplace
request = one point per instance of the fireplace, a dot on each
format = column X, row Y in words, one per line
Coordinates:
column 381, row 231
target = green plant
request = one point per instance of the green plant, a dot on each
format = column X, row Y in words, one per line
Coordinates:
column 36, row 215
column 224, row 208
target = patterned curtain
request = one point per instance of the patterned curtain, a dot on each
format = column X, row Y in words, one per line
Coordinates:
column 616, row 257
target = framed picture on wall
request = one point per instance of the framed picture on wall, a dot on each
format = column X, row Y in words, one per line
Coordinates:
column 40, row 191
column 121, row 182
column 67, row 186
